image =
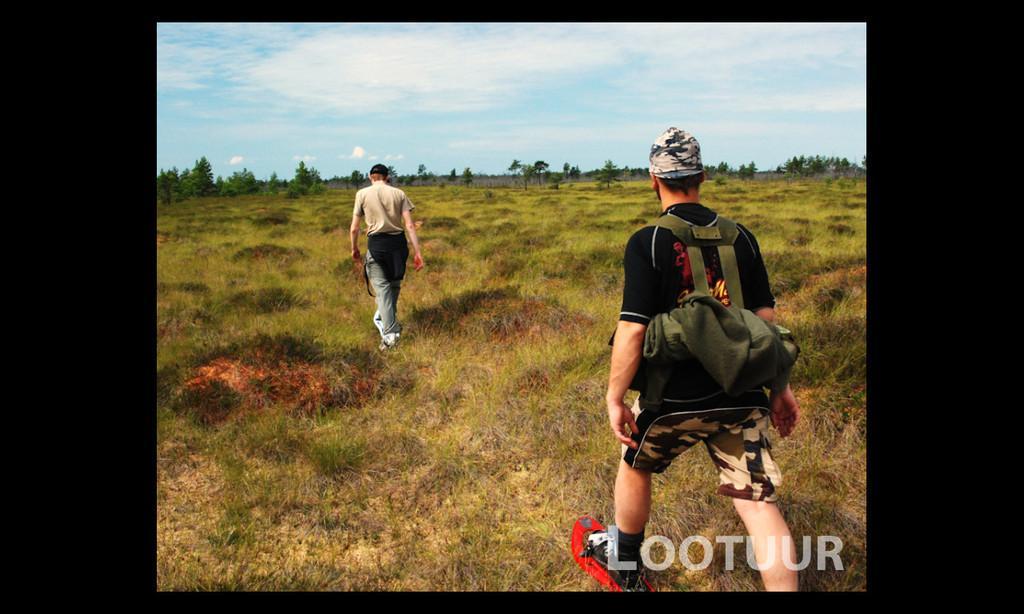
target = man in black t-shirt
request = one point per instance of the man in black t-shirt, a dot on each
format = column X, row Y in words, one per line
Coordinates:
column 658, row 278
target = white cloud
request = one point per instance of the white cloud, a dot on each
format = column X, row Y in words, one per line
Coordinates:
column 236, row 160
column 192, row 55
column 440, row 68
column 827, row 100
column 357, row 152
column 558, row 86
column 358, row 68
column 184, row 67
column 305, row 158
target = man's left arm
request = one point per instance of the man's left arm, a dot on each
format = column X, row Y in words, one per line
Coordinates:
column 410, row 227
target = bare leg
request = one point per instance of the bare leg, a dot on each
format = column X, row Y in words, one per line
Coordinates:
column 764, row 522
column 632, row 498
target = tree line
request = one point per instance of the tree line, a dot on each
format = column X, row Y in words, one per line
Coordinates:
column 172, row 185
column 804, row 166
column 199, row 181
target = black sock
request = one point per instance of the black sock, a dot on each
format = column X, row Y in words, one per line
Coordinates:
column 629, row 545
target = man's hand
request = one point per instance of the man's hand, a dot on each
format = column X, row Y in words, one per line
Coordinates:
column 356, row 255
column 620, row 416
column 784, row 411
column 417, row 261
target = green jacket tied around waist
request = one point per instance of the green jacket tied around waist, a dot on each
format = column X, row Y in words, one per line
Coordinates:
column 737, row 348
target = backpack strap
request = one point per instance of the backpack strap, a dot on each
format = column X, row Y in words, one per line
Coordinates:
column 731, row 269
column 721, row 236
column 366, row 276
column 700, row 276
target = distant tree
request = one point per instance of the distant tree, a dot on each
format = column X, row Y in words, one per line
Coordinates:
column 817, row 165
column 452, row 176
column 240, row 182
column 425, row 176
column 201, row 179
column 528, row 172
column 607, row 173
column 795, row 166
column 554, row 179
column 306, row 181
column 186, row 187
column 467, row 176
column 356, row 179
column 566, row 169
column 167, row 185
column 540, row 168
column 303, row 177
column 864, row 162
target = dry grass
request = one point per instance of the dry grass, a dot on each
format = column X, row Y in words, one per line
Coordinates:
column 294, row 456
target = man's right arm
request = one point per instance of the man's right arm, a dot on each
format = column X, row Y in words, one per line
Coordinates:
column 626, row 354
column 353, row 229
column 639, row 303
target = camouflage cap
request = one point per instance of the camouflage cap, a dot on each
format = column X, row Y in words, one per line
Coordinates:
column 675, row 154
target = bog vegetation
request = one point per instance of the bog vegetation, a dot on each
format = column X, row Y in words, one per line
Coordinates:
column 292, row 454
column 173, row 185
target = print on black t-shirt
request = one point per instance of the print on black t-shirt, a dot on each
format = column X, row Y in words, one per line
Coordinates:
column 712, row 270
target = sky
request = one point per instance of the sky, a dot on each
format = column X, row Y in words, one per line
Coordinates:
column 346, row 96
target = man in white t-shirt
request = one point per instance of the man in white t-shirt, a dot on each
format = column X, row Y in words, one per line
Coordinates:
column 388, row 214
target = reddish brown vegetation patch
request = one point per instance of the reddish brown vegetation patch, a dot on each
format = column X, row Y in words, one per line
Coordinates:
column 280, row 373
column 303, row 387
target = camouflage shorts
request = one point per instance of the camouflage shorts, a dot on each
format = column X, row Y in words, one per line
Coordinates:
column 736, row 440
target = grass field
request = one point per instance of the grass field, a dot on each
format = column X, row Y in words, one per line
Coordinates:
column 292, row 455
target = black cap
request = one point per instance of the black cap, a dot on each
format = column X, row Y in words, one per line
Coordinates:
column 379, row 169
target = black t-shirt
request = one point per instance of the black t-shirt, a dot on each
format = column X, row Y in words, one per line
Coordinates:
column 658, row 279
